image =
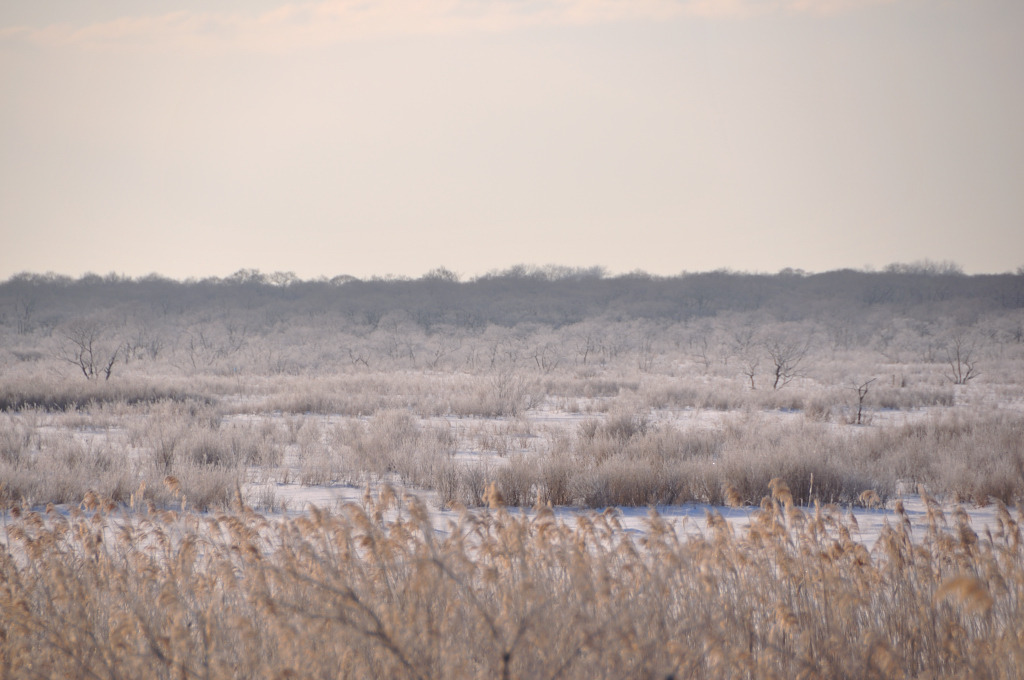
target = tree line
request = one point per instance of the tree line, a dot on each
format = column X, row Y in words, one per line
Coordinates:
column 550, row 296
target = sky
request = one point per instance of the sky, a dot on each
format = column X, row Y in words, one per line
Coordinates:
column 194, row 139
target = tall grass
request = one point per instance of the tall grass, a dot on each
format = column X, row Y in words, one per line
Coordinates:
column 626, row 460
column 73, row 395
column 629, row 457
column 375, row 591
column 58, row 458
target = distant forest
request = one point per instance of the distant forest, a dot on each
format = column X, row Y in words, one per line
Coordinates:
column 549, row 296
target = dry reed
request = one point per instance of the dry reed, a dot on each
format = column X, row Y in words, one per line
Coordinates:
column 374, row 590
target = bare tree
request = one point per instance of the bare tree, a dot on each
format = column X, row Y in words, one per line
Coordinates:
column 862, row 393
column 442, row 346
column 547, row 356
column 750, row 364
column 787, row 355
column 700, row 344
column 204, row 343
column 961, row 357
column 742, row 341
column 82, row 346
column 505, row 350
column 586, row 344
column 358, row 357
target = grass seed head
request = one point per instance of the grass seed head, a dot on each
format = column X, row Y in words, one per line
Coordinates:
column 733, row 499
column 967, row 591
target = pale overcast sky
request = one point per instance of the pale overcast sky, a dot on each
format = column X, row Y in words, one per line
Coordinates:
column 196, row 138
